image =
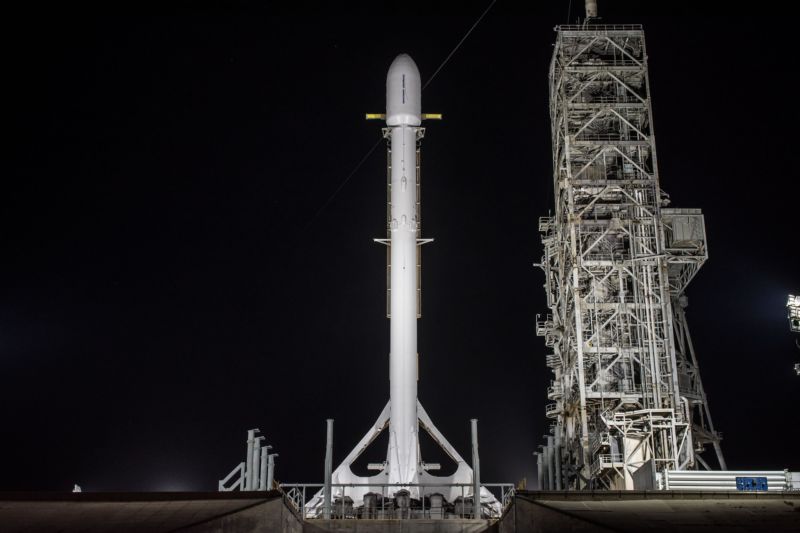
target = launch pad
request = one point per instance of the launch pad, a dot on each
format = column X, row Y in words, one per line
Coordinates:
column 628, row 406
column 529, row 511
column 631, row 442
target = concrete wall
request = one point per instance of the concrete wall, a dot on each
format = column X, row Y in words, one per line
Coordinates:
column 400, row 526
column 275, row 516
column 652, row 511
column 269, row 517
column 527, row 516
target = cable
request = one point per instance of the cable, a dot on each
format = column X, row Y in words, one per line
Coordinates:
column 459, row 44
column 341, row 185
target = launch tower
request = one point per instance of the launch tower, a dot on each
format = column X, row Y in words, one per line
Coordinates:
column 627, row 399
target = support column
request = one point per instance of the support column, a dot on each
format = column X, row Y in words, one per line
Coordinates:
column 476, row 471
column 271, row 471
column 539, row 470
column 326, row 513
column 256, row 463
column 248, row 469
column 550, row 473
column 262, row 477
column 557, row 459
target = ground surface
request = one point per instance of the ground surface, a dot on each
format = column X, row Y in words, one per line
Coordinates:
column 538, row 512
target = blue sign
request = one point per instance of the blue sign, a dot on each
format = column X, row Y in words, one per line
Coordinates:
column 751, row 483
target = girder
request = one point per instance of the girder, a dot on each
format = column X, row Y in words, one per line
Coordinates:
column 617, row 262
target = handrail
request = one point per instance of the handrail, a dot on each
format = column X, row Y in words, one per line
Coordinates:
column 600, row 27
column 343, row 504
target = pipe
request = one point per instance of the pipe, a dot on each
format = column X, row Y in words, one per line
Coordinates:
column 271, row 471
column 326, row 512
column 539, row 471
column 557, row 459
column 248, row 469
column 476, row 471
column 262, row 475
column 550, row 473
column 543, row 455
column 254, row 478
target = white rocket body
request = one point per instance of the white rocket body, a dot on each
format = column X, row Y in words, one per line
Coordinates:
column 403, row 117
column 403, row 415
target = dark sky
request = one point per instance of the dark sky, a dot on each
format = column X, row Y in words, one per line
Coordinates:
column 167, row 284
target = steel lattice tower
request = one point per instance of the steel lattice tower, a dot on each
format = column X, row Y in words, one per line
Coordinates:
column 628, row 401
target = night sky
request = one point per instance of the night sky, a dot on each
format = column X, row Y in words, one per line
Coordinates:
column 173, row 272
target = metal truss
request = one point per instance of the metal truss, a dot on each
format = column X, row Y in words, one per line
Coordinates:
column 627, row 396
column 793, row 306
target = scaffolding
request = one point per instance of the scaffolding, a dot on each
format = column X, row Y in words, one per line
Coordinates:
column 793, row 306
column 627, row 398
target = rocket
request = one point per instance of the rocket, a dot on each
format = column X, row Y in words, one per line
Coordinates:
column 403, row 415
column 403, row 118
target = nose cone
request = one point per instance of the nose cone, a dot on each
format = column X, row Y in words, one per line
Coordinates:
column 403, row 93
